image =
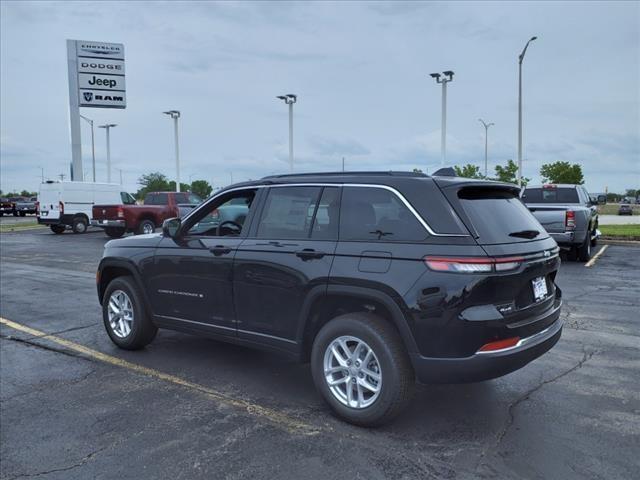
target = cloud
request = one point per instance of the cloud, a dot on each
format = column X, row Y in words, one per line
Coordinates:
column 340, row 147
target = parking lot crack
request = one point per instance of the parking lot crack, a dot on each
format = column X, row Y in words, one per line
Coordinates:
column 72, row 329
column 513, row 405
column 27, row 341
column 586, row 356
column 77, row 464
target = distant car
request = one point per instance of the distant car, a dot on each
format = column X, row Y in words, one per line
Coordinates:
column 625, row 209
column 116, row 219
column 26, row 206
column 568, row 214
column 6, row 207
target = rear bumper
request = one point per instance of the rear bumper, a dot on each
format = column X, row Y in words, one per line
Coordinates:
column 486, row 365
column 108, row 223
column 568, row 239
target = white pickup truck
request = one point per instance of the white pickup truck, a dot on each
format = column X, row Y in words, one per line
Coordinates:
column 568, row 214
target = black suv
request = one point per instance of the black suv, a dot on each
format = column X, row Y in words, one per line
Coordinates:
column 376, row 279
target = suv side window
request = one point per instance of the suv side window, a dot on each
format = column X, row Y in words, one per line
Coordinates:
column 376, row 214
column 288, row 212
column 225, row 216
column 327, row 219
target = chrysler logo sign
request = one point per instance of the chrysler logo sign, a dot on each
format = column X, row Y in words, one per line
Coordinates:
column 112, row 50
column 88, row 96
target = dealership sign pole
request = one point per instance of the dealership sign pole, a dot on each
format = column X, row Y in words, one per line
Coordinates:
column 96, row 79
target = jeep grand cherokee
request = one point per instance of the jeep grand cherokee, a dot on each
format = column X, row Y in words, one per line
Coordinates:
column 376, row 279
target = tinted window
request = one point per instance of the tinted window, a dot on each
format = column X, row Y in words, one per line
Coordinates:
column 325, row 224
column 376, row 214
column 288, row 212
column 190, row 198
column 550, row 195
column 499, row 216
column 225, row 216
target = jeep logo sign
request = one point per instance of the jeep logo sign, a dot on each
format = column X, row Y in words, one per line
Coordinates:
column 107, row 82
column 100, row 74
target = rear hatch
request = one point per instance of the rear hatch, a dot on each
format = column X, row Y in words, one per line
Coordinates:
column 522, row 284
column 51, row 208
column 107, row 212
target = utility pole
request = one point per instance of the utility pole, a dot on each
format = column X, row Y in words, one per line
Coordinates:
column 520, row 59
column 107, row 127
column 444, row 78
column 290, row 99
column 41, row 173
column 343, row 164
column 175, row 114
column 486, row 135
column 93, row 147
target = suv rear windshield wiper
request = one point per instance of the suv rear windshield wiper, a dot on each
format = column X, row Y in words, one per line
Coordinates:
column 525, row 234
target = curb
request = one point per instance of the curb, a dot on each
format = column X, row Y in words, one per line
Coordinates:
column 616, row 241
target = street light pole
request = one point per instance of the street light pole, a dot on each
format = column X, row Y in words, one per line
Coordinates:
column 520, row 59
column 486, row 135
column 444, row 78
column 290, row 99
column 93, row 147
column 107, row 127
column 175, row 114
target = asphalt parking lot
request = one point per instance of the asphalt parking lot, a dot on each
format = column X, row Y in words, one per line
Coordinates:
column 74, row 406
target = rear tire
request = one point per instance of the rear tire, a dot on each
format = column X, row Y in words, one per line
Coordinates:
column 57, row 229
column 584, row 250
column 114, row 232
column 22, row 214
column 389, row 358
column 139, row 330
column 80, row 225
column 146, row 227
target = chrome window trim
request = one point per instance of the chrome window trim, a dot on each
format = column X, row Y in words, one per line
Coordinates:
column 401, row 197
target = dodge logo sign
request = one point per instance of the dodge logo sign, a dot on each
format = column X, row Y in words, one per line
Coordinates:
column 88, row 96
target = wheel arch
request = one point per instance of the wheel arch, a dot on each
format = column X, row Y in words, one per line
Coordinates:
column 113, row 268
column 323, row 304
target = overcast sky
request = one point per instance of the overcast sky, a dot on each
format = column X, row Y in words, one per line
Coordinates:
column 360, row 70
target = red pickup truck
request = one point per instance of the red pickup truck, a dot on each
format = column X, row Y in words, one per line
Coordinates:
column 142, row 219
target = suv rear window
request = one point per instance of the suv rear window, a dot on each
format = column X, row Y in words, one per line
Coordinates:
column 550, row 195
column 498, row 216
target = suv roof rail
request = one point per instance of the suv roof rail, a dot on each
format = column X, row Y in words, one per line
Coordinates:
column 347, row 174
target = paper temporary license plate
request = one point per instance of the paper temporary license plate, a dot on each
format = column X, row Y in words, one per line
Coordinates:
column 539, row 288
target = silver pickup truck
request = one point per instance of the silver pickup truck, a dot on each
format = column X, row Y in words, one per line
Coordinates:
column 568, row 214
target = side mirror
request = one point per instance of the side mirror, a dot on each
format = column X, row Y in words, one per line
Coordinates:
column 171, row 227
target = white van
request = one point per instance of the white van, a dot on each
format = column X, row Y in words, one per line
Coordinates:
column 62, row 204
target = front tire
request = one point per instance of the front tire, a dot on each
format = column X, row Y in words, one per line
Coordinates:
column 22, row 214
column 114, row 232
column 361, row 368
column 125, row 316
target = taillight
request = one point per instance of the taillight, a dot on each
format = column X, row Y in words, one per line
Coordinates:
column 120, row 212
column 61, row 207
column 472, row 264
column 500, row 345
column 570, row 220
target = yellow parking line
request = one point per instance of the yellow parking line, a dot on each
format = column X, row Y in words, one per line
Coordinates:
column 596, row 256
column 285, row 421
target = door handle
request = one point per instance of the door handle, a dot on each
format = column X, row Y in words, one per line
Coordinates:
column 220, row 250
column 309, row 254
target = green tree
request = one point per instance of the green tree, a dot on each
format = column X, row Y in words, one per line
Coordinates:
column 630, row 192
column 417, row 170
column 509, row 173
column 153, row 182
column 468, row 171
column 562, row 172
column 201, row 188
column 184, row 187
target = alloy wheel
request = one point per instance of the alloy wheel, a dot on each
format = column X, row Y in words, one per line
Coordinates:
column 120, row 312
column 352, row 372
